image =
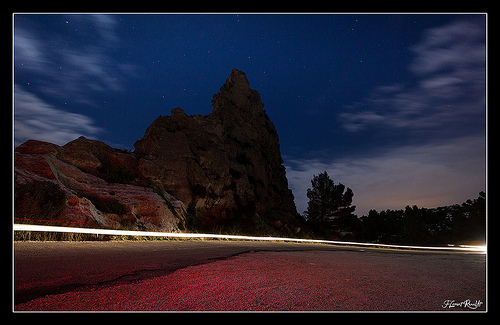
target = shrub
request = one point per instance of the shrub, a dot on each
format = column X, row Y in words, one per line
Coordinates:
column 42, row 200
column 117, row 174
column 199, row 190
column 107, row 205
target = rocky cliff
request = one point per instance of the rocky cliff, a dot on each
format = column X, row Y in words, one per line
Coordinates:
column 219, row 172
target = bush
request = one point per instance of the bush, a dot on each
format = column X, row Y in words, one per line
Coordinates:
column 107, row 205
column 38, row 200
column 117, row 174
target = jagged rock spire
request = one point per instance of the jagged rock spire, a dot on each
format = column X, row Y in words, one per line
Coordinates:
column 236, row 94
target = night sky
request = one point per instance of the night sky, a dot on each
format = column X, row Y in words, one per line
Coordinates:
column 392, row 106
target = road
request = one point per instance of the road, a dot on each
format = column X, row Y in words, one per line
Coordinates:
column 242, row 275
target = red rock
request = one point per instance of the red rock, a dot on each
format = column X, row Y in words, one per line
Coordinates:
column 34, row 163
column 73, row 200
column 78, row 153
column 37, row 147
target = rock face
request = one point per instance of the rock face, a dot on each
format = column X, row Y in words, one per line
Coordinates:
column 220, row 172
column 103, row 186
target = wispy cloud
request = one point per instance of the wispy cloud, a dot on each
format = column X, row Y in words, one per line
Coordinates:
column 28, row 54
column 449, row 94
column 430, row 175
column 63, row 66
column 71, row 66
column 105, row 25
column 37, row 119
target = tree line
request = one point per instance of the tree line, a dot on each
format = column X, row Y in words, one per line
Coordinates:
column 330, row 214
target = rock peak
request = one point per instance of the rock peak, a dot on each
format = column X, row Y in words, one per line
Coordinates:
column 238, row 79
column 236, row 95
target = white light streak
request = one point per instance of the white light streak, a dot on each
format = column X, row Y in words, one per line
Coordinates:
column 26, row 227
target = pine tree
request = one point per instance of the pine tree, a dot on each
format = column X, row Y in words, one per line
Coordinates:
column 327, row 202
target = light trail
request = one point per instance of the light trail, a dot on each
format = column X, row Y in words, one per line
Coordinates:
column 26, row 227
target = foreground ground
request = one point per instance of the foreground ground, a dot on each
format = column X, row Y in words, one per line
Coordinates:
column 240, row 276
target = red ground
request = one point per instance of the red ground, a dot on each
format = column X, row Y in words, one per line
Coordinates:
column 301, row 280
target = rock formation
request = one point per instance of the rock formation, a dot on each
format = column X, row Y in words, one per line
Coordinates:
column 104, row 186
column 219, row 172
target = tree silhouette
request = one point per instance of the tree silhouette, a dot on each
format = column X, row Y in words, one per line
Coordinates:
column 328, row 203
column 453, row 224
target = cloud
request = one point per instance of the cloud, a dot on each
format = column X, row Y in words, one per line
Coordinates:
column 449, row 92
column 28, row 52
column 72, row 61
column 92, row 70
column 105, row 25
column 36, row 119
column 429, row 175
column 456, row 46
column 76, row 62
